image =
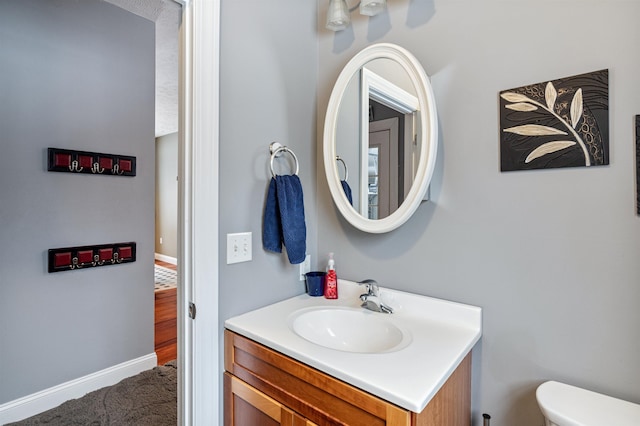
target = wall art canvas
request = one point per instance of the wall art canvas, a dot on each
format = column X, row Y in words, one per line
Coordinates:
column 558, row 123
column 638, row 164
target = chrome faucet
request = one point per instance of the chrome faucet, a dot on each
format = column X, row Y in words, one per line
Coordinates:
column 371, row 299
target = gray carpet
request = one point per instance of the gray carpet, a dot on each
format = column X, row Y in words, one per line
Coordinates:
column 147, row 399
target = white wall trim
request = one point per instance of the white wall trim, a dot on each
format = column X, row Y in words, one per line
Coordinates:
column 198, row 342
column 165, row 258
column 38, row 402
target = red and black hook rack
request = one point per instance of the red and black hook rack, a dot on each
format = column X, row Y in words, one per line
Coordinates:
column 84, row 257
column 72, row 161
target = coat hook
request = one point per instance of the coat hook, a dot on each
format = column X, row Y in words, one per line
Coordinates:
column 96, row 168
column 74, row 264
column 116, row 170
column 74, row 167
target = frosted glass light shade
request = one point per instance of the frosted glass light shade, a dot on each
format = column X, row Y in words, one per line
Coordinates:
column 338, row 15
column 372, row 7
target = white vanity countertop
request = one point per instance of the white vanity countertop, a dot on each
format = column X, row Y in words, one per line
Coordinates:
column 442, row 334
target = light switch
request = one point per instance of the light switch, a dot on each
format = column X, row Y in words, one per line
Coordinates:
column 238, row 247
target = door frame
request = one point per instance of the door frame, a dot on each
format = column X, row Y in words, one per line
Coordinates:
column 198, row 211
column 376, row 87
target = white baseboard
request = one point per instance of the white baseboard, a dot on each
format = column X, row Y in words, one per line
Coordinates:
column 38, row 402
column 165, row 258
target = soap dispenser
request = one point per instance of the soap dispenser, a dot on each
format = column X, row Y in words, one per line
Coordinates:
column 331, row 281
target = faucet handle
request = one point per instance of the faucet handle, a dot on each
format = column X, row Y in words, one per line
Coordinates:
column 371, row 286
column 371, row 299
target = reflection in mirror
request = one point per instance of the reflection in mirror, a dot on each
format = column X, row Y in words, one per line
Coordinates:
column 374, row 184
column 381, row 126
column 376, row 137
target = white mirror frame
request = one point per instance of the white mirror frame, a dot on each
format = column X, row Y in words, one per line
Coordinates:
column 428, row 139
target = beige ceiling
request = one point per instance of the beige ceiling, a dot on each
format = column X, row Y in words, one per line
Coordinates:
column 166, row 15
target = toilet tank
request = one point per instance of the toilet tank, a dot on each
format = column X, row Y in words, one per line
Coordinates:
column 567, row 405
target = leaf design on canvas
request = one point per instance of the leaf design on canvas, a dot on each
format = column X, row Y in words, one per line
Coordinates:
column 576, row 108
column 548, row 148
column 550, row 95
column 521, row 106
column 534, row 130
column 514, row 97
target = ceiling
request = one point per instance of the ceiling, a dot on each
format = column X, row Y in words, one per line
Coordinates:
column 166, row 15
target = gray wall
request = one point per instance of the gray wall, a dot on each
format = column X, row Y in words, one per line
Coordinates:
column 75, row 75
column 551, row 256
column 268, row 71
column 167, row 195
column 268, row 75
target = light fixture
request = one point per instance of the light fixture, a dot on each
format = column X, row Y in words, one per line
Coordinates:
column 372, row 7
column 338, row 14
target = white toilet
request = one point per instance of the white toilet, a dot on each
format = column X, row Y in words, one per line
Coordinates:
column 565, row 405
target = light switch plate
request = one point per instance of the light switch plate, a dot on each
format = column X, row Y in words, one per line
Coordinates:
column 305, row 267
column 238, row 247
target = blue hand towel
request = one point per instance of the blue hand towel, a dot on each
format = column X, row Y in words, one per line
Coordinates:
column 271, row 228
column 291, row 207
column 284, row 218
column 347, row 191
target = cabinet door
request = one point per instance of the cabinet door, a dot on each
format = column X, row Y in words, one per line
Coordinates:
column 245, row 405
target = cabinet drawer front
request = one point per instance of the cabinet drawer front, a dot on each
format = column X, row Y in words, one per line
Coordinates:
column 318, row 397
column 245, row 405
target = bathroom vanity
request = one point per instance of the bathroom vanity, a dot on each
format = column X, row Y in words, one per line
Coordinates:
column 262, row 386
column 308, row 360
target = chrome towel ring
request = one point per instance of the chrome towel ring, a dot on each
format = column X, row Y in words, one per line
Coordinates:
column 276, row 150
column 346, row 171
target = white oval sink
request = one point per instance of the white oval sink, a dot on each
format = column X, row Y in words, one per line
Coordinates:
column 349, row 330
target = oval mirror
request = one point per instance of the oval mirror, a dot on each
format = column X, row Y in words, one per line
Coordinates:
column 380, row 138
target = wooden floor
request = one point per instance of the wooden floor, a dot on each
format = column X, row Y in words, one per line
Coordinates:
column 166, row 326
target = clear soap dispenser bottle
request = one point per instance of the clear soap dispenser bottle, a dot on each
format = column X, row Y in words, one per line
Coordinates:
column 331, row 281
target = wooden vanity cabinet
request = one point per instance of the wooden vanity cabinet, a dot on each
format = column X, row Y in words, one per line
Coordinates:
column 249, row 406
column 264, row 387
